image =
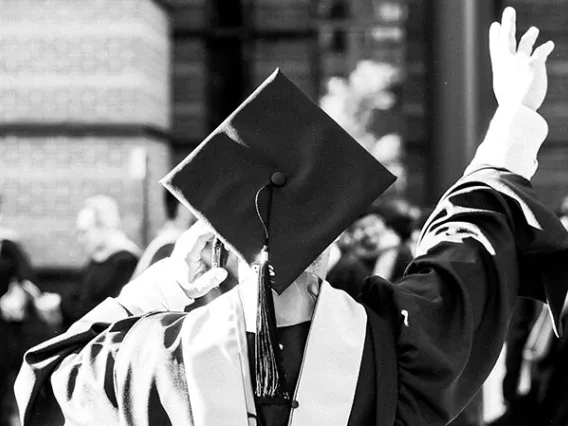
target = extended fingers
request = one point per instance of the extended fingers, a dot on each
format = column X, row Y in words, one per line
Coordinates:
column 198, row 246
column 190, row 244
column 494, row 41
column 502, row 39
column 207, row 282
column 527, row 41
column 508, row 30
column 541, row 53
column 502, row 35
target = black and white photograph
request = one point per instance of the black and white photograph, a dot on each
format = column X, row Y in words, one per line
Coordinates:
column 283, row 212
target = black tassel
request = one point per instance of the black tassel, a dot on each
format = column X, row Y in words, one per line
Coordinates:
column 269, row 377
column 267, row 352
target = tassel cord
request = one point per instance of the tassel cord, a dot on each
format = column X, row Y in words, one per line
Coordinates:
column 267, row 363
column 257, row 206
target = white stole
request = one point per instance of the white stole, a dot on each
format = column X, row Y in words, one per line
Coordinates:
column 217, row 369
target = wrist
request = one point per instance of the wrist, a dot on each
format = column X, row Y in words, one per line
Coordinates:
column 157, row 288
column 512, row 142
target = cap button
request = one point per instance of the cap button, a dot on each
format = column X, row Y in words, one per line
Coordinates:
column 295, row 404
column 278, row 179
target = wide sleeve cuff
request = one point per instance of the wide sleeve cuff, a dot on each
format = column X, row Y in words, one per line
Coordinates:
column 512, row 141
column 159, row 288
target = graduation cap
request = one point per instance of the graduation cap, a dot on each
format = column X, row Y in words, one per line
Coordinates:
column 278, row 181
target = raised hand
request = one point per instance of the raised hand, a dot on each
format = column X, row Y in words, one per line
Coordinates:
column 173, row 284
column 519, row 73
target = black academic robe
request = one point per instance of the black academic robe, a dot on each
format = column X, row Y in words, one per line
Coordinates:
column 99, row 280
column 15, row 336
column 410, row 354
column 15, row 266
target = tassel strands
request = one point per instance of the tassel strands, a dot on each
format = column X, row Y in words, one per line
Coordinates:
column 266, row 347
column 268, row 386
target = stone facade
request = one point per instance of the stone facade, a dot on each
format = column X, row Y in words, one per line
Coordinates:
column 81, row 84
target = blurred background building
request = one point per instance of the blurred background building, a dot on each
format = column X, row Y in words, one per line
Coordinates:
column 105, row 96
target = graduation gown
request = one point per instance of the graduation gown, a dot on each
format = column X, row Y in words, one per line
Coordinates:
column 410, row 354
column 99, row 279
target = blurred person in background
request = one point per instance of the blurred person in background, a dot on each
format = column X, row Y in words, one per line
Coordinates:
column 347, row 272
column 17, row 292
column 535, row 372
column 546, row 362
column 178, row 220
column 398, row 215
column 112, row 257
column 519, row 397
column 376, row 244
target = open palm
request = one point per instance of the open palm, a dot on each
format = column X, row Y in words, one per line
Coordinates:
column 519, row 73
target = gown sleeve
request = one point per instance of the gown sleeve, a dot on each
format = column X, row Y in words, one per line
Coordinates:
column 72, row 377
column 100, row 333
column 99, row 282
column 487, row 241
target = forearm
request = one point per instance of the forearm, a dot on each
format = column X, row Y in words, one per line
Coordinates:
column 487, row 241
column 512, row 142
column 456, row 298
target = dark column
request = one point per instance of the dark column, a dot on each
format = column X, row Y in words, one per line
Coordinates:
column 459, row 93
column 226, row 68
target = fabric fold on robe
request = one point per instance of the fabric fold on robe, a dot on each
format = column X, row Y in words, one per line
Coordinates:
column 488, row 240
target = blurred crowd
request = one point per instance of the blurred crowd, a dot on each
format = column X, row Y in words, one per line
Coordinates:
column 534, row 387
column 381, row 242
column 29, row 315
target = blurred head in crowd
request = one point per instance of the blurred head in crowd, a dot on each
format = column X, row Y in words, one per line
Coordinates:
column 386, row 224
column 397, row 214
column 368, row 235
column 97, row 220
column 564, row 212
column 177, row 214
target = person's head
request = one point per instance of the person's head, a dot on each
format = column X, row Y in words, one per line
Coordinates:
column 397, row 214
column 97, row 220
column 385, row 224
column 177, row 213
column 366, row 235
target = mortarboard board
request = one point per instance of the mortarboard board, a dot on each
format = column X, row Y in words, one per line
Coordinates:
column 278, row 172
column 278, row 132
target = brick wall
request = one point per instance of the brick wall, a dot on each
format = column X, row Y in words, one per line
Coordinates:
column 268, row 55
column 87, row 60
column 80, row 81
column 189, row 79
column 551, row 16
column 45, row 180
column 281, row 14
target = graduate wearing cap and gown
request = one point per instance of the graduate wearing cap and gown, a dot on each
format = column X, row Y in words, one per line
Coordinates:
column 276, row 183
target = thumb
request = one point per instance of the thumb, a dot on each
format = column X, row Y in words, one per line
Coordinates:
column 206, row 282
